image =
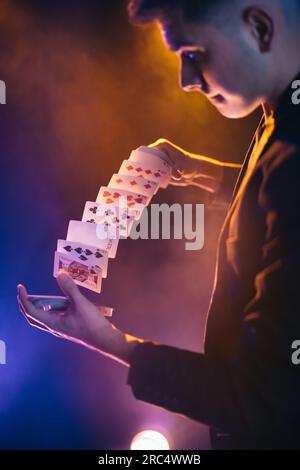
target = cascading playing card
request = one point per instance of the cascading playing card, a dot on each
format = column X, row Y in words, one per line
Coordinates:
column 118, row 220
column 83, row 273
column 134, row 183
column 141, row 154
column 85, row 253
column 157, row 171
column 122, row 198
column 90, row 242
column 93, row 235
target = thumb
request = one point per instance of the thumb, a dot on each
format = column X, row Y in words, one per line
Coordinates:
column 69, row 287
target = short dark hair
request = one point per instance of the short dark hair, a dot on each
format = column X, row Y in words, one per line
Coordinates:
column 145, row 11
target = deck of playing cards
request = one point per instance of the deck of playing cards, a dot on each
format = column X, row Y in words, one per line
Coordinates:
column 58, row 304
column 93, row 240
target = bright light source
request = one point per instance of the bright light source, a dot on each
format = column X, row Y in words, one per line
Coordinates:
column 149, row 440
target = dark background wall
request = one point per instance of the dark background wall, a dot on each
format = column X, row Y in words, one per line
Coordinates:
column 84, row 88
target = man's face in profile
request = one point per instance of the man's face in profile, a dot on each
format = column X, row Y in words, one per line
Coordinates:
column 221, row 60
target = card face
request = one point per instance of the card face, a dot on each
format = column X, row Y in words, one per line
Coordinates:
column 119, row 220
column 153, row 171
column 122, row 198
column 86, row 253
column 142, row 153
column 83, row 273
column 134, row 183
column 92, row 235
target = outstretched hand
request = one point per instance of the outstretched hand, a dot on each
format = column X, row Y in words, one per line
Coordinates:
column 81, row 322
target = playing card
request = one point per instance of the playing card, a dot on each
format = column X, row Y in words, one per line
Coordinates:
column 134, row 183
column 59, row 304
column 92, row 235
column 83, row 273
column 122, row 198
column 159, row 172
column 50, row 303
column 118, row 219
column 139, row 155
column 85, row 253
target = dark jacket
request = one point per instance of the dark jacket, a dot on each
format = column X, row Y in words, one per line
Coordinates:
column 245, row 385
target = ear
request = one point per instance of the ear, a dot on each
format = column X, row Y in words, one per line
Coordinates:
column 261, row 26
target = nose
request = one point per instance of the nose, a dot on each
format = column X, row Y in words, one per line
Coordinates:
column 191, row 76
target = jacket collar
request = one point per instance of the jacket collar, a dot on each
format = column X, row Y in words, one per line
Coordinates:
column 287, row 116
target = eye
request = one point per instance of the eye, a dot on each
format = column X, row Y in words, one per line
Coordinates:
column 193, row 56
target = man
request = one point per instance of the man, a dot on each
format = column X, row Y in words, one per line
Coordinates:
column 240, row 54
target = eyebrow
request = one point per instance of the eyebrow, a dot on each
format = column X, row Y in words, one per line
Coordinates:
column 174, row 43
column 175, row 46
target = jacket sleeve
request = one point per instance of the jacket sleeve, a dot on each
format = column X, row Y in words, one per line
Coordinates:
column 258, row 387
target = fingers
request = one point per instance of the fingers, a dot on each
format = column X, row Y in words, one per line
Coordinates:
column 27, row 306
column 177, row 174
column 209, row 189
column 35, row 323
column 201, row 183
column 22, row 292
column 30, row 320
column 165, row 146
column 22, row 310
column 35, row 315
column 179, row 183
column 69, row 287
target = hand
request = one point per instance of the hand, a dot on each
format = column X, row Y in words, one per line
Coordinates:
column 81, row 322
column 191, row 169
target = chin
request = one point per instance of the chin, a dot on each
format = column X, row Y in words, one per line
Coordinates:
column 233, row 114
column 236, row 112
